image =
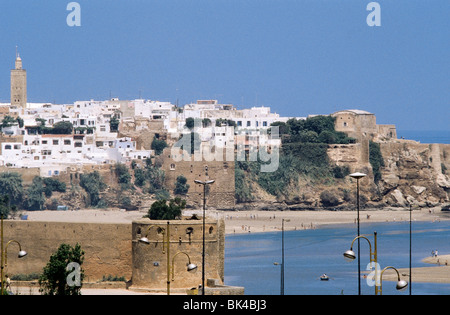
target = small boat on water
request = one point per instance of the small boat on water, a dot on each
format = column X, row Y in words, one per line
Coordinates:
column 324, row 277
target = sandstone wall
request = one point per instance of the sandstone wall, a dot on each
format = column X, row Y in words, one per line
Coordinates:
column 221, row 194
column 113, row 249
column 150, row 261
column 107, row 246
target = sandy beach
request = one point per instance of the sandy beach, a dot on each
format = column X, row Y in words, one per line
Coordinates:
column 271, row 221
column 238, row 222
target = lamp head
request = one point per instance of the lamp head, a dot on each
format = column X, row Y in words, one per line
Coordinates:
column 401, row 285
column 204, row 182
column 349, row 255
column 144, row 240
column 191, row 267
column 358, row 175
column 22, row 254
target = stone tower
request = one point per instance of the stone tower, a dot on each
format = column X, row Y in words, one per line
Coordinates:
column 18, row 85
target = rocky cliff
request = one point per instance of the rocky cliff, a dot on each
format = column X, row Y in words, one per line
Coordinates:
column 413, row 173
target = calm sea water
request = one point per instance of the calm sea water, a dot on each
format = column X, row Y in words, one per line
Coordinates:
column 249, row 258
column 441, row 136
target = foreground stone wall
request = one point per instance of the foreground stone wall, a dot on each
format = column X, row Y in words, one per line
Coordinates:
column 150, row 261
column 113, row 249
column 107, row 246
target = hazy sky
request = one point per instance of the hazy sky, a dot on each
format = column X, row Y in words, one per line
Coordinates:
column 299, row 57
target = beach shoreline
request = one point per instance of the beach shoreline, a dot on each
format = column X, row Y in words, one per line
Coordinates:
column 249, row 221
column 257, row 221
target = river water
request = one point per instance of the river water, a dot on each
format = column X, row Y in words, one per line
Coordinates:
column 249, row 258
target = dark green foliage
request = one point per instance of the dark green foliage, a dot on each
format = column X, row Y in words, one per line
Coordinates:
column 160, row 210
column 308, row 136
column 329, row 198
column 34, row 199
column 123, row 176
column 206, row 122
column 60, row 128
column 276, row 183
column 35, row 195
column 52, row 185
column 243, row 192
column 114, row 124
column 111, row 278
column 190, row 123
column 341, row 171
column 152, row 175
column 158, row 145
column 320, row 123
column 53, row 280
column 317, row 129
column 5, row 207
column 162, row 194
column 139, row 177
column 9, row 121
column 181, row 186
column 11, row 185
column 376, row 160
column 283, row 128
column 93, row 184
column 227, row 122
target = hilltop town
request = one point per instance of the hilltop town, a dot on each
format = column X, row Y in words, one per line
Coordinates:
column 141, row 150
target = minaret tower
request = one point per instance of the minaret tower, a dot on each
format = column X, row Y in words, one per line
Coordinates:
column 18, row 84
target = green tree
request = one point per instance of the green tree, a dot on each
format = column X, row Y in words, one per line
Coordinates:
column 206, row 122
column 320, row 123
column 243, row 192
column 283, row 128
column 123, row 175
column 329, row 199
column 114, row 124
column 227, row 122
column 61, row 128
column 376, row 160
column 308, row 136
column 139, row 177
column 93, row 184
column 327, row 136
column 8, row 121
column 181, row 186
column 57, row 272
column 158, row 145
column 20, row 122
column 11, row 185
column 35, row 195
column 190, row 123
column 52, row 185
column 5, row 206
column 156, row 178
column 160, row 210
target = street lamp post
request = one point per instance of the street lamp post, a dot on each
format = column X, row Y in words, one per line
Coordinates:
column 410, row 248
column 204, row 183
column 401, row 284
column 166, row 240
column 282, row 255
column 4, row 256
column 350, row 255
column 358, row 176
column 190, row 266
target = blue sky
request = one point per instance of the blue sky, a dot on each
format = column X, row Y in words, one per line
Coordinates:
column 299, row 57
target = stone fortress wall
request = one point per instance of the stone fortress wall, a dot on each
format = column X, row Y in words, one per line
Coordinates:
column 113, row 249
